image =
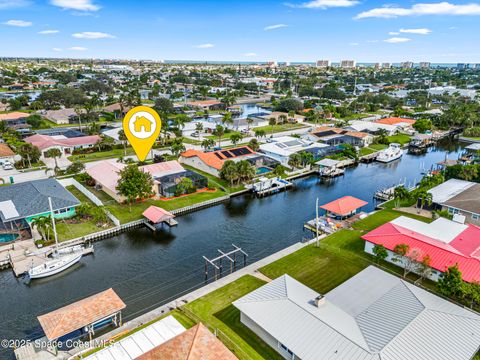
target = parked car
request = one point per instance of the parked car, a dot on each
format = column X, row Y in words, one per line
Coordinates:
column 7, row 166
column 195, row 134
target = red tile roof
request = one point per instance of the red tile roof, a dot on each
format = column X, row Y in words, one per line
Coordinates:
column 463, row 250
column 215, row 159
column 81, row 313
column 344, row 205
column 5, row 151
column 395, row 120
column 14, row 115
column 197, row 343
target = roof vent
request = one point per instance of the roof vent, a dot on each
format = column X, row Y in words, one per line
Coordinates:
column 319, row 300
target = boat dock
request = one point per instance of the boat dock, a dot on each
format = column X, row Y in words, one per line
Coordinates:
column 386, row 193
column 265, row 186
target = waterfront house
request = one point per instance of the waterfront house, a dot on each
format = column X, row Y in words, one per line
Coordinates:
column 278, row 116
column 166, row 176
column 401, row 123
column 371, row 127
column 281, row 148
column 444, row 241
column 206, row 105
column 336, row 136
column 374, row 315
column 21, row 203
column 458, row 197
column 62, row 116
column 117, row 110
column 65, row 144
column 212, row 162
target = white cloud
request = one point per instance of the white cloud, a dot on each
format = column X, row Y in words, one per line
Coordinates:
column 93, row 35
column 393, row 33
column 397, row 40
column 250, row 54
column 47, row 32
column 372, row 41
column 324, row 4
column 10, row 4
column 19, row 23
column 273, row 27
column 441, row 8
column 354, row 44
column 77, row 48
column 421, row 31
column 57, row 49
column 204, row 46
column 82, row 5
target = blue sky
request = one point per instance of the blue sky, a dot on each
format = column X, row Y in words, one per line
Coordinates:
column 261, row 30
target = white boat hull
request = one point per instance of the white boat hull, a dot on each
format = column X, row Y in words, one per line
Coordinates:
column 54, row 266
column 389, row 159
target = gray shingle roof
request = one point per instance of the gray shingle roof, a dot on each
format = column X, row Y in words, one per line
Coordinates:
column 374, row 315
column 31, row 198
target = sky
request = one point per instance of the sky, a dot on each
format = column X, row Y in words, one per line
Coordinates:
column 247, row 30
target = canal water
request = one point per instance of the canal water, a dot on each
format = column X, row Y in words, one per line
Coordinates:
column 148, row 269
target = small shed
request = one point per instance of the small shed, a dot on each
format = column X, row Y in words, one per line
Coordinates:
column 344, row 207
column 156, row 215
column 83, row 317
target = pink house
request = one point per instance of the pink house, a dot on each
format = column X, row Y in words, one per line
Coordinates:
column 64, row 144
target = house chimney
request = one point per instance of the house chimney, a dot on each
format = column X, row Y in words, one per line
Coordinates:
column 319, row 300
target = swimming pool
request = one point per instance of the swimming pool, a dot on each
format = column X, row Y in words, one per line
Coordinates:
column 263, row 170
column 4, row 238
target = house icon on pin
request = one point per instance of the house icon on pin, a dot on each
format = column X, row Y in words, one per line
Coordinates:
column 142, row 124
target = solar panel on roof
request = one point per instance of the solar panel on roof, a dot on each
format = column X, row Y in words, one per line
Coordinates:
column 240, row 151
column 227, row 154
column 292, row 143
column 218, row 155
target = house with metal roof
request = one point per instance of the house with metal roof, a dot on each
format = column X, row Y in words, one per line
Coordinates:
column 444, row 241
column 372, row 316
column 458, row 197
column 22, row 202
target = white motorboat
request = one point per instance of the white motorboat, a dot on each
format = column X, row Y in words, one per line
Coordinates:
column 62, row 258
column 54, row 266
column 393, row 152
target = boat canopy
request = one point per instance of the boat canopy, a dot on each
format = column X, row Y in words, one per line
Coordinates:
column 344, row 206
column 157, row 215
column 330, row 163
column 80, row 314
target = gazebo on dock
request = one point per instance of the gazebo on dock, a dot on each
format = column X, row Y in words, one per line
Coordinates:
column 156, row 215
column 343, row 207
column 83, row 317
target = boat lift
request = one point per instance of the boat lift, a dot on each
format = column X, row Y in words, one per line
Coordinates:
column 231, row 256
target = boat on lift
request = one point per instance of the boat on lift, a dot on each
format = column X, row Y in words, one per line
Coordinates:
column 393, row 152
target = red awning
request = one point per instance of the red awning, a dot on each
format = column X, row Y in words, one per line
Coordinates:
column 344, row 206
column 157, row 215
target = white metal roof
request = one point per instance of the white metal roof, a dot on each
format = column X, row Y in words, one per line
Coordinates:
column 442, row 229
column 474, row 146
column 373, row 315
column 287, row 145
column 8, row 209
column 141, row 341
column 450, row 188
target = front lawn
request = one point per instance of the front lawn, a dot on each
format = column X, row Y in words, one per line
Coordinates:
column 99, row 155
column 217, row 182
column 371, row 149
column 383, row 216
column 280, row 127
column 401, row 139
column 216, row 311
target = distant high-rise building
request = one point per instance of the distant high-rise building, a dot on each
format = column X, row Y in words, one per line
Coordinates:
column 386, row 65
column 377, row 66
column 272, row 63
column 462, row 66
column 323, row 63
column 348, row 64
column 477, row 66
column 424, row 65
column 406, row 65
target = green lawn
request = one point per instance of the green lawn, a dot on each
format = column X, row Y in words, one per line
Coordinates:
column 279, row 127
column 216, row 311
column 401, row 139
column 67, row 230
column 339, row 257
column 225, row 136
column 99, row 155
column 371, row 149
column 217, row 182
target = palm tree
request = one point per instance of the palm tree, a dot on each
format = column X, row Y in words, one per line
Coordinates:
column 207, row 143
column 272, row 122
column 177, row 148
column 425, row 198
column 219, row 132
column 249, row 122
column 123, row 138
column 245, row 170
column 295, row 160
column 235, row 138
column 400, row 193
column 54, row 153
column 227, row 119
column 42, row 223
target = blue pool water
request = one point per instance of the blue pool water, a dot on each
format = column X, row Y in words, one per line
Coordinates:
column 4, row 238
column 263, row 170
